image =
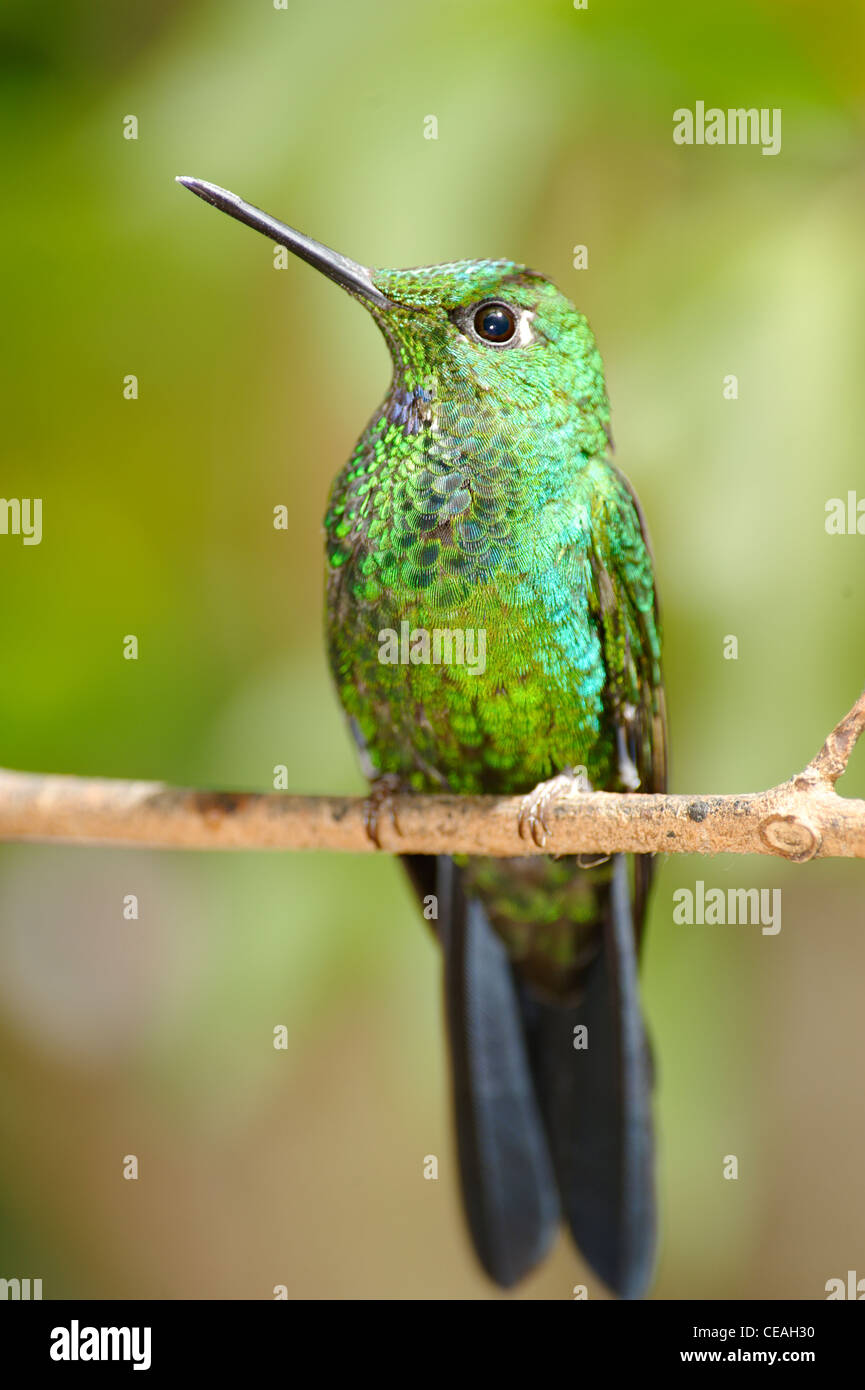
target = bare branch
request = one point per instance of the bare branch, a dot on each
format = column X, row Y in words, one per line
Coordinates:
column 799, row 820
column 833, row 757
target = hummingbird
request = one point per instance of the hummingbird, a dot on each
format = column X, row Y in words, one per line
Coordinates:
column 482, row 500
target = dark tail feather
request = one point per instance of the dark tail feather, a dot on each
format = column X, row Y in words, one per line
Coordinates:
column 509, row 1189
column 597, row 1106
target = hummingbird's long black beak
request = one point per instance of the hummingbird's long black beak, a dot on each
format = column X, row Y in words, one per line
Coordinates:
column 353, row 277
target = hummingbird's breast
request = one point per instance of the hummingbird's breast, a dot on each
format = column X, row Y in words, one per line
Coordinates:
column 461, row 634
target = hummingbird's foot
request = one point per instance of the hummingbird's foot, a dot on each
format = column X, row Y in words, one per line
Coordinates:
column 537, row 804
column 379, row 801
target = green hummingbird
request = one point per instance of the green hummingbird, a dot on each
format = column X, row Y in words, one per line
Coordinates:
column 493, row 628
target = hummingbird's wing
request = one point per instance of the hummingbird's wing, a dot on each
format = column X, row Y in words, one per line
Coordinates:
column 625, row 605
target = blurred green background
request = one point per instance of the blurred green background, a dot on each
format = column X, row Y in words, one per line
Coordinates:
column 154, row 1037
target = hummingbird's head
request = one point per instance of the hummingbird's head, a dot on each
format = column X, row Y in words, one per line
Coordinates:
column 488, row 338
column 495, row 330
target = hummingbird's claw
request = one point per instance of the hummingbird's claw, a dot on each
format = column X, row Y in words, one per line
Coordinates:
column 379, row 801
column 537, row 804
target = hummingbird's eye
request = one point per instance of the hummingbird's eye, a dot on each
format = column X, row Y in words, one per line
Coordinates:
column 495, row 323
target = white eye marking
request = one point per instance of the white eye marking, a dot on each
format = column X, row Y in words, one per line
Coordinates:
column 524, row 333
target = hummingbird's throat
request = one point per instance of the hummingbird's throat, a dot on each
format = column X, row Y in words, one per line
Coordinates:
column 410, row 407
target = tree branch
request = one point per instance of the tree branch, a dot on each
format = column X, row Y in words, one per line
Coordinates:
column 801, row 819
